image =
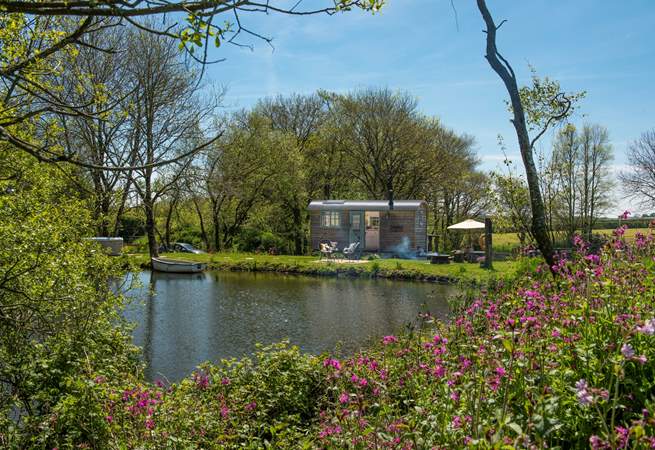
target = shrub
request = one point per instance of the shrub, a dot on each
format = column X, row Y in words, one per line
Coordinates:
column 252, row 239
column 131, row 225
column 59, row 318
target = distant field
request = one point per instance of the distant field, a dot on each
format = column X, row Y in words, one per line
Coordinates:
column 506, row 241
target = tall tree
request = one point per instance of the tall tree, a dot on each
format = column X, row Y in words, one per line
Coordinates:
column 550, row 106
column 300, row 117
column 566, row 157
column 240, row 170
column 100, row 135
column 459, row 191
column 639, row 180
column 165, row 115
column 512, row 204
column 595, row 184
column 389, row 146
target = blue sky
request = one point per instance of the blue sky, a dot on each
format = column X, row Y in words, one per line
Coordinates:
column 419, row 46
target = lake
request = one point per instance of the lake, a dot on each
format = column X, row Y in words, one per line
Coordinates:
column 191, row 318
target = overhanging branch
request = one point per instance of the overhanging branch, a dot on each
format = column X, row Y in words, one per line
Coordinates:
column 44, row 155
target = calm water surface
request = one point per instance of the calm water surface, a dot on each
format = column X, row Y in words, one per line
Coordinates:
column 194, row 318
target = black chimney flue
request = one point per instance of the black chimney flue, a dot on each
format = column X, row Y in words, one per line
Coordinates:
column 390, row 194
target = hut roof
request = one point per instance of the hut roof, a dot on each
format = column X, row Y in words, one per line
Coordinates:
column 368, row 205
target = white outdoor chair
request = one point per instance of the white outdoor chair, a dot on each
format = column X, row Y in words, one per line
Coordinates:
column 326, row 250
column 351, row 250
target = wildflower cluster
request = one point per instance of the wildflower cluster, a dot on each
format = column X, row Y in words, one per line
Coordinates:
column 539, row 362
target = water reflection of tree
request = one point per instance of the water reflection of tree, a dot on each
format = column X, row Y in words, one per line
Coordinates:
column 149, row 326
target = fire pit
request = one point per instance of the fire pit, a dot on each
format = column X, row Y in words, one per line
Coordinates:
column 436, row 258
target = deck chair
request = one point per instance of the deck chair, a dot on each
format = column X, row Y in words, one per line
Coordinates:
column 351, row 250
column 325, row 250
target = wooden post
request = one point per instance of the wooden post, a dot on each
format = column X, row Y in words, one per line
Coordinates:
column 488, row 249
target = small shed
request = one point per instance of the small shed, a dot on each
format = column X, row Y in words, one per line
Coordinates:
column 112, row 245
column 396, row 227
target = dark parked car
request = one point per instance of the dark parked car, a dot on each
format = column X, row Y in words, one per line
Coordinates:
column 183, row 247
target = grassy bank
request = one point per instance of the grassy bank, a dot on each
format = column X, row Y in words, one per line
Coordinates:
column 402, row 269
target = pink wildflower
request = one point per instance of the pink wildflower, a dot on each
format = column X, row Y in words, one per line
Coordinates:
column 344, row 398
column 594, row 259
column 584, row 396
column 251, row 406
column 648, row 328
column 622, row 434
column 225, row 411
column 597, row 443
column 330, row 362
column 389, row 340
column 627, row 351
column 201, row 379
column 620, row 231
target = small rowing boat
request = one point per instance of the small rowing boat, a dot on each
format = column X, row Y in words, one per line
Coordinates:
column 177, row 266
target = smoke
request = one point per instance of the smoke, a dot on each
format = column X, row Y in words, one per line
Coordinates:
column 403, row 249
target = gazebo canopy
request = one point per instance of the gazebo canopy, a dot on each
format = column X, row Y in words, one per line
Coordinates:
column 468, row 224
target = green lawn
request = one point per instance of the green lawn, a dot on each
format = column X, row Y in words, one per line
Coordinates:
column 384, row 268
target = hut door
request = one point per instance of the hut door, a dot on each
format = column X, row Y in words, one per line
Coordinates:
column 357, row 227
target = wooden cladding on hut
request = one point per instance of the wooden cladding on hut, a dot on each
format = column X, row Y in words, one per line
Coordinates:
column 379, row 227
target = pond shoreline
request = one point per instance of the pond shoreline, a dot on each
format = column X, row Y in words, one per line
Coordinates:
column 330, row 271
column 392, row 269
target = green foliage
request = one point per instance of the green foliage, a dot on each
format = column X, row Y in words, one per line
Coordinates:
column 59, row 319
column 254, row 240
column 130, row 225
column 545, row 103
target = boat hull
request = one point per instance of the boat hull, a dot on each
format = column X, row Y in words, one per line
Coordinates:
column 176, row 266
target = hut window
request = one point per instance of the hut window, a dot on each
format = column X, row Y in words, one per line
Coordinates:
column 355, row 222
column 420, row 219
column 330, row 219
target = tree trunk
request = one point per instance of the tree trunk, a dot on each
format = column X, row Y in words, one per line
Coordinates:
column 488, row 244
column 169, row 219
column 216, row 230
column 150, row 227
column 506, row 74
column 297, row 230
column 105, row 206
column 121, row 206
column 203, row 230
